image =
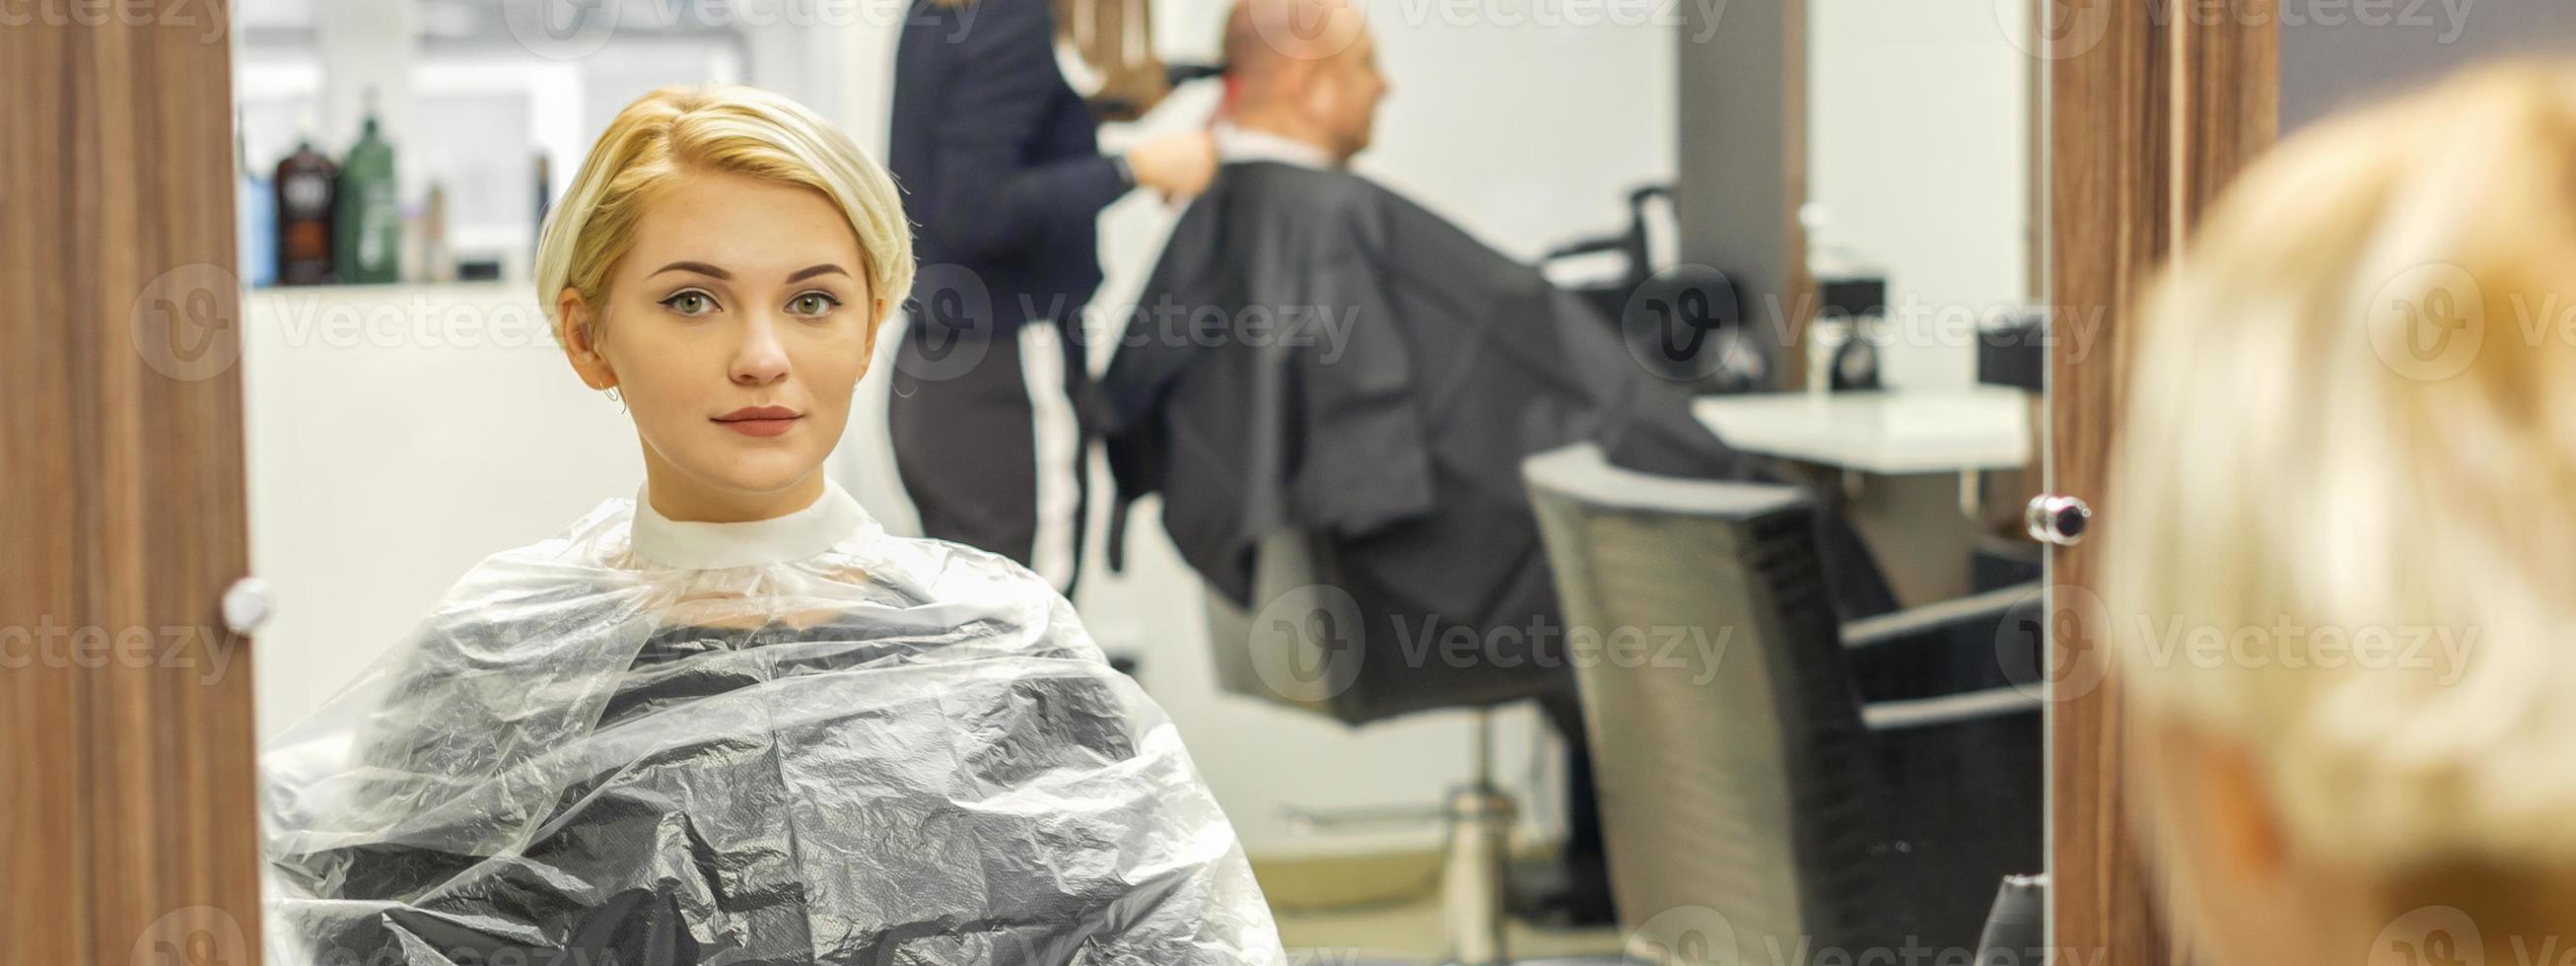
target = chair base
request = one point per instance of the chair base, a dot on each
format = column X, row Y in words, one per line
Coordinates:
column 1471, row 881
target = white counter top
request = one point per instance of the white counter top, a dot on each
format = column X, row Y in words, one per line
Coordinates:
column 1888, row 431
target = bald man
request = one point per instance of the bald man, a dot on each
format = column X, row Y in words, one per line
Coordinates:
column 1302, row 83
column 1314, row 353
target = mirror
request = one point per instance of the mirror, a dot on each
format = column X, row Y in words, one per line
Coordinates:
column 406, row 421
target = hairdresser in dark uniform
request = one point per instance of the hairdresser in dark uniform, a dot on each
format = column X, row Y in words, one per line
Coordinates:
column 1004, row 182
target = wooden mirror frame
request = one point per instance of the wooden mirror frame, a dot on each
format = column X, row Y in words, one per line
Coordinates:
column 2152, row 109
column 131, row 832
column 131, row 829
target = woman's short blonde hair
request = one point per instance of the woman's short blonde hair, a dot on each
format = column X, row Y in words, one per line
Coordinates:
column 739, row 130
column 2345, row 494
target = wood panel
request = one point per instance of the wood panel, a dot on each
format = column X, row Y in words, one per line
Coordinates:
column 2151, row 114
column 2227, row 107
column 128, row 828
column 2110, row 151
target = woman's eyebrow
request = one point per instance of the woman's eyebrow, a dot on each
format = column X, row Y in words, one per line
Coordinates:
column 811, row 271
column 701, row 268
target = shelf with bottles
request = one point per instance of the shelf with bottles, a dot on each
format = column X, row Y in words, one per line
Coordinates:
column 317, row 221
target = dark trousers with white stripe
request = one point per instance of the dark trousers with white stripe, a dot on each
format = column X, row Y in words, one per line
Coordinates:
column 987, row 443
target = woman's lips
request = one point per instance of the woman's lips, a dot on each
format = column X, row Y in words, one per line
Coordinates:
column 759, row 427
column 760, row 420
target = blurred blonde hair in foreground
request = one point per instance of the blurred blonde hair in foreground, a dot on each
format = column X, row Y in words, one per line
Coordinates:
column 2347, row 485
column 673, row 131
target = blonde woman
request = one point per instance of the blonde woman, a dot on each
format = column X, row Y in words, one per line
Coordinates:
column 2344, row 589
column 733, row 720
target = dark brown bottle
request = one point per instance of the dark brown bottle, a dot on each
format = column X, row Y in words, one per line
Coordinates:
column 305, row 188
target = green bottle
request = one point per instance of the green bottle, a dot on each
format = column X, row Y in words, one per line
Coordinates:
column 366, row 230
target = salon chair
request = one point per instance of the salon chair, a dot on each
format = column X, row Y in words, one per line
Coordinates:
column 1851, row 786
column 1654, row 302
column 1308, row 647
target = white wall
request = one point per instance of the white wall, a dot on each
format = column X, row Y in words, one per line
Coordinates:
column 379, row 473
column 1917, row 141
column 383, row 465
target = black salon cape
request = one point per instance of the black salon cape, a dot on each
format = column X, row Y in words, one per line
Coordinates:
column 1397, row 438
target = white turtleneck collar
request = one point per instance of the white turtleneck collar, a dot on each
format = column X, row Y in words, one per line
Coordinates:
column 806, row 533
column 1235, row 143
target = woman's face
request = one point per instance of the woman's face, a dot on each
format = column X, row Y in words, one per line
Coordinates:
column 736, row 329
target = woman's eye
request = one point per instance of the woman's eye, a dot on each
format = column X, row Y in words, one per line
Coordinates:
column 813, row 303
column 692, row 302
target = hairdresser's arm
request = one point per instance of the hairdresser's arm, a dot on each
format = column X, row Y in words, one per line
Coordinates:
column 986, row 201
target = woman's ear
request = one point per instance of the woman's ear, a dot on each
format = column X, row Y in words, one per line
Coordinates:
column 575, row 325
column 2213, row 800
column 868, row 342
column 2239, row 815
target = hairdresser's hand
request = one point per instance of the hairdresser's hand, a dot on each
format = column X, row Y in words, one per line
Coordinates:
column 1178, row 165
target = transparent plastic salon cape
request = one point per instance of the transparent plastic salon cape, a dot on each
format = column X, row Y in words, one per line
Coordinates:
column 797, row 740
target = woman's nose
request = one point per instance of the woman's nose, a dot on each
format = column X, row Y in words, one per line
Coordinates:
column 759, row 360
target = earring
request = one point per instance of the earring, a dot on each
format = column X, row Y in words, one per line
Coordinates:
column 612, row 397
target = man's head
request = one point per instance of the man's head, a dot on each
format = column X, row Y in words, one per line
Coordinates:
column 1305, row 70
